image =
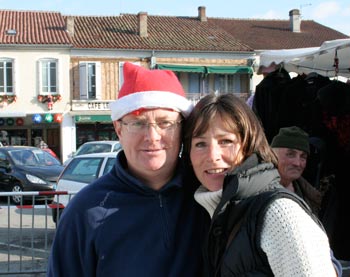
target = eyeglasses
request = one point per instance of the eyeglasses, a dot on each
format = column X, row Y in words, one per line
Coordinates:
column 138, row 126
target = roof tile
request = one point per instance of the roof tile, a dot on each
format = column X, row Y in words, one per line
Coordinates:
column 276, row 34
column 164, row 33
column 168, row 33
column 33, row 27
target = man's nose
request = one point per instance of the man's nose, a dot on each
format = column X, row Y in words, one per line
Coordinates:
column 152, row 131
column 297, row 161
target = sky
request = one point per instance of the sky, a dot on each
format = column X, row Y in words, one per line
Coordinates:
column 334, row 14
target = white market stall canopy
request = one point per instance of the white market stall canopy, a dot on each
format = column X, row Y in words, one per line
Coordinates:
column 324, row 60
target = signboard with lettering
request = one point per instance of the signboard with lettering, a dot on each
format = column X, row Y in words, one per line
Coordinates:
column 93, row 105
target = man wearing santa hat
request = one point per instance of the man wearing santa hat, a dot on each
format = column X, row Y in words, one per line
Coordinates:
column 140, row 219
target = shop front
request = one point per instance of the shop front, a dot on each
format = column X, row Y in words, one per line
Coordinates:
column 92, row 121
column 31, row 129
column 93, row 127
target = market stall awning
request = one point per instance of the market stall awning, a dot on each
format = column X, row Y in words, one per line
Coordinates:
column 207, row 69
column 321, row 60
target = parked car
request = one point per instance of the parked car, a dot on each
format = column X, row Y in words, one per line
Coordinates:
column 79, row 172
column 48, row 150
column 26, row 168
column 101, row 146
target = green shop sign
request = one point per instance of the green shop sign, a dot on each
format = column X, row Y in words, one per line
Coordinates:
column 93, row 118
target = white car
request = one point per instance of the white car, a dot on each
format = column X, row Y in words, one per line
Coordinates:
column 79, row 172
column 100, row 146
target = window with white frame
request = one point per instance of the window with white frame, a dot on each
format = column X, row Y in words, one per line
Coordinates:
column 90, row 80
column 6, row 76
column 194, row 83
column 228, row 83
column 48, row 76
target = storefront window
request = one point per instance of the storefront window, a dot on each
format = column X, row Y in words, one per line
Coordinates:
column 13, row 137
column 94, row 132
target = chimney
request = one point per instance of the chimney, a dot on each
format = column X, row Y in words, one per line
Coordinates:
column 142, row 20
column 201, row 14
column 70, row 25
column 294, row 20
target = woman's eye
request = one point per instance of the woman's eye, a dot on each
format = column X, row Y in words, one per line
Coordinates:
column 199, row 144
column 226, row 141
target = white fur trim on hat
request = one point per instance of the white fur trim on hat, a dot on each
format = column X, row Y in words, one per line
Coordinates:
column 150, row 100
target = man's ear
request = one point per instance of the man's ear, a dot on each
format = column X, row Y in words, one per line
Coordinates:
column 117, row 127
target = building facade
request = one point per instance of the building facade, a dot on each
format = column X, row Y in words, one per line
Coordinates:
column 58, row 74
column 34, row 80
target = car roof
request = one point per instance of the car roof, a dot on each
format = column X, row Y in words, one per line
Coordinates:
column 17, row 147
column 92, row 155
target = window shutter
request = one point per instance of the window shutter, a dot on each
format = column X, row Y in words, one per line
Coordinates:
column 216, row 83
column 121, row 74
column 39, row 77
column 237, row 83
column 98, row 81
column 57, row 76
column 193, row 83
column 14, row 77
column 83, row 79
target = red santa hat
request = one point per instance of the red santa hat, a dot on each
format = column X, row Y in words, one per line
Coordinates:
column 149, row 89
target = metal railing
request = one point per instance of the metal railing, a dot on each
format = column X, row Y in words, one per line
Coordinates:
column 27, row 231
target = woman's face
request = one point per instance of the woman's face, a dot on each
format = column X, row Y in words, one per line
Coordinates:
column 215, row 153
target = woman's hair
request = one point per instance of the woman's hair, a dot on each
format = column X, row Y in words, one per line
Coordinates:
column 237, row 117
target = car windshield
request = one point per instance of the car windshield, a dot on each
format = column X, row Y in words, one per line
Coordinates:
column 109, row 164
column 93, row 148
column 83, row 170
column 117, row 147
column 32, row 157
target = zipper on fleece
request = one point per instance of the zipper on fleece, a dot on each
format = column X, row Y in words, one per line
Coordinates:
column 164, row 219
column 160, row 200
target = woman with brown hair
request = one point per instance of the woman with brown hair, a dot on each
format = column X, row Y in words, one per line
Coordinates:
column 258, row 228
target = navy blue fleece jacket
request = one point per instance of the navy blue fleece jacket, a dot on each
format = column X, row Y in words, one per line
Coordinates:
column 117, row 226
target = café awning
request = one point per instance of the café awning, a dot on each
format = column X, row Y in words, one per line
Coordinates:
column 229, row 70
column 182, row 68
column 207, row 69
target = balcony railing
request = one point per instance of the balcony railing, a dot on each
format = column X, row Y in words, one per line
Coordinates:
column 195, row 97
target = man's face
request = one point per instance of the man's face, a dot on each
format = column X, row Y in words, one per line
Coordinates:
column 291, row 163
column 150, row 151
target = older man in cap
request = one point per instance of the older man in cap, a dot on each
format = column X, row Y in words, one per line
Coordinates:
column 291, row 145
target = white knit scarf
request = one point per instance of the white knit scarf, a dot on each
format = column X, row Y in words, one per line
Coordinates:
column 208, row 199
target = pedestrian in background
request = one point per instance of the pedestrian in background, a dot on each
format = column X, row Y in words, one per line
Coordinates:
column 292, row 148
column 291, row 145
